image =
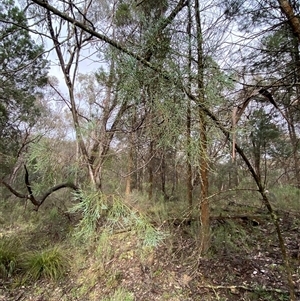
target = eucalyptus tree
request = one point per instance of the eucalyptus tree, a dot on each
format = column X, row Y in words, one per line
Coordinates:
column 281, row 58
column 166, row 121
column 96, row 111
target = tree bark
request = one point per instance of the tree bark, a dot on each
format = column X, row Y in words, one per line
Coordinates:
column 293, row 20
column 150, row 170
column 204, row 203
column 189, row 183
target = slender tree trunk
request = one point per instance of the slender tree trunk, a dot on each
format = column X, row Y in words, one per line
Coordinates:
column 76, row 180
column 256, row 155
column 130, row 163
column 150, row 170
column 129, row 172
column 174, row 177
column 293, row 133
column 204, row 203
column 189, row 183
column 69, row 80
column 295, row 146
column 163, row 175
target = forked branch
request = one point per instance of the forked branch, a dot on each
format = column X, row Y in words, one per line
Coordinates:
column 30, row 196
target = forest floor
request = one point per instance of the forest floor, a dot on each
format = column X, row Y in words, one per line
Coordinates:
column 244, row 262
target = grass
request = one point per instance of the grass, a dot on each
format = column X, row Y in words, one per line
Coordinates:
column 116, row 239
column 9, row 257
column 284, row 197
column 120, row 294
column 51, row 264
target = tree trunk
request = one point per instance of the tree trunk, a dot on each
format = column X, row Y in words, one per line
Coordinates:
column 189, row 183
column 295, row 146
column 293, row 133
column 150, row 171
column 204, row 203
column 163, row 172
column 293, row 20
column 69, row 80
column 129, row 173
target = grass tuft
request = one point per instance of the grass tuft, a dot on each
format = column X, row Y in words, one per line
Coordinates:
column 49, row 264
column 8, row 257
column 120, row 295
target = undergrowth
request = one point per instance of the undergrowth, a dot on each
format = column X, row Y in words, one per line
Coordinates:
column 108, row 236
column 49, row 264
column 120, row 294
column 9, row 257
column 110, row 214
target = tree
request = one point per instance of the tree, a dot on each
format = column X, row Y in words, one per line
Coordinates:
column 23, row 73
column 272, row 62
column 292, row 19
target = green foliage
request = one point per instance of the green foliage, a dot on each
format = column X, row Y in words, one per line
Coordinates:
column 104, row 251
column 123, row 14
column 93, row 206
column 47, row 165
column 121, row 216
column 263, row 129
column 261, row 294
column 9, row 257
column 285, row 197
column 229, row 237
column 150, row 236
column 49, row 264
column 112, row 214
column 23, row 70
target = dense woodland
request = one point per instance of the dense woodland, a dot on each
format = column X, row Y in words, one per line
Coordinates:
column 152, row 117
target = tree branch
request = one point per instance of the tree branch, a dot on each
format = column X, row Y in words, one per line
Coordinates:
column 14, row 192
column 58, row 187
column 100, row 36
column 31, row 197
